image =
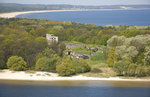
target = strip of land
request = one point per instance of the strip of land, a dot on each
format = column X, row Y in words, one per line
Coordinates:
column 48, row 76
column 14, row 14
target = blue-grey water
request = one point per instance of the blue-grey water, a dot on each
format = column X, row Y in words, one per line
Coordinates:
column 74, row 89
column 103, row 17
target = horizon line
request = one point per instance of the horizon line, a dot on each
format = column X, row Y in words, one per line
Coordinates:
column 75, row 4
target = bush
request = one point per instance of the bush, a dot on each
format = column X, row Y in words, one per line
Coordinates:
column 81, row 66
column 132, row 69
column 48, row 52
column 16, row 63
column 118, row 67
column 46, row 64
column 141, row 71
column 66, row 67
column 121, row 67
column 70, row 66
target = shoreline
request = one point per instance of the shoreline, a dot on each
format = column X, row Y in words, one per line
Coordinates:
column 48, row 76
column 14, row 14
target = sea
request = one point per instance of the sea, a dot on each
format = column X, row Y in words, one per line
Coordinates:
column 99, row 17
column 10, row 88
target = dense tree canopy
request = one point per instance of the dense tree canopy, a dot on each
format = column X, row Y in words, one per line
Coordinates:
column 128, row 54
column 66, row 67
column 135, row 51
column 70, row 66
column 16, row 63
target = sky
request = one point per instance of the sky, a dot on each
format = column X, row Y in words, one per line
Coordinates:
column 79, row 2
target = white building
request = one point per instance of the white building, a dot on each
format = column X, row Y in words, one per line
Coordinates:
column 51, row 38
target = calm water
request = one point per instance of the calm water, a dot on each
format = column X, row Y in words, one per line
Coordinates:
column 74, row 89
column 107, row 17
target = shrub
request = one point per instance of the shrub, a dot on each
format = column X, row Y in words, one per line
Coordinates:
column 121, row 67
column 81, row 66
column 16, row 63
column 141, row 71
column 46, row 64
column 48, row 52
column 70, row 66
column 66, row 67
column 131, row 69
column 118, row 67
column 147, row 56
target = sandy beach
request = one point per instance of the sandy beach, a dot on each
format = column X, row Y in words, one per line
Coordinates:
column 48, row 76
column 14, row 14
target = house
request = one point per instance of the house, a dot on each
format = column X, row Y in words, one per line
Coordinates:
column 51, row 38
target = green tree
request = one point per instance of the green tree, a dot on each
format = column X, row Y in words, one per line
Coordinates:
column 103, row 39
column 126, row 52
column 66, row 67
column 47, row 64
column 48, row 52
column 2, row 61
column 61, row 49
column 140, row 58
column 121, row 67
column 116, row 41
column 81, row 66
column 141, row 71
column 16, row 63
column 111, row 57
column 40, row 32
column 118, row 67
column 147, row 56
column 131, row 69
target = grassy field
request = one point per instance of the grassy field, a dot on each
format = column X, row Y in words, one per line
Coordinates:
column 82, row 50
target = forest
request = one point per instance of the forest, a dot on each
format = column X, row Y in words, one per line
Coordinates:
column 23, row 46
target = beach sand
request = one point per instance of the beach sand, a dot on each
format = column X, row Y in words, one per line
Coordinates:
column 48, row 76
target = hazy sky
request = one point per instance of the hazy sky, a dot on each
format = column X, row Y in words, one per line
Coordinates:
column 79, row 2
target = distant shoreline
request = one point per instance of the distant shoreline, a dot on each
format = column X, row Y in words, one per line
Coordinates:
column 48, row 76
column 14, row 14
